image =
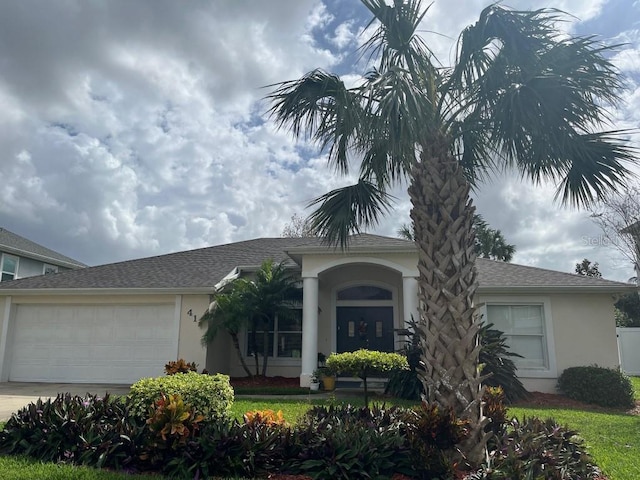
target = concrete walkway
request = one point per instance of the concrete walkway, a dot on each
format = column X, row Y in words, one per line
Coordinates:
column 15, row 395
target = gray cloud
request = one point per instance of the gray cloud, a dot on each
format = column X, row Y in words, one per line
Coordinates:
column 131, row 129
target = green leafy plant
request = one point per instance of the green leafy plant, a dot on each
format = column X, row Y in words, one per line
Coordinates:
column 494, row 408
column 180, row 366
column 497, row 364
column 210, row 395
column 173, row 420
column 90, row 430
column 364, row 364
column 495, row 358
column 433, row 433
column 538, row 449
column 606, row 387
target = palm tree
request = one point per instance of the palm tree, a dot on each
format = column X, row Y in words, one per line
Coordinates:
column 490, row 243
column 273, row 294
column 244, row 303
column 228, row 313
column 520, row 95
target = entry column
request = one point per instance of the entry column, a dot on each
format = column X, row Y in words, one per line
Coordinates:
column 309, row 329
column 410, row 299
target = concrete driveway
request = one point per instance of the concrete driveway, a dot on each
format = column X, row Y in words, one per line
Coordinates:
column 15, row 395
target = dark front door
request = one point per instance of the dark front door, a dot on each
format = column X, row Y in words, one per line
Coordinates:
column 364, row 327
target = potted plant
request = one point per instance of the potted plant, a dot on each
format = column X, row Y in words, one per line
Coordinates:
column 314, row 382
column 328, row 379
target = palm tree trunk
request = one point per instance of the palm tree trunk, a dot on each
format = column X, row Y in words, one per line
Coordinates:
column 236, row 345
column 442, row 215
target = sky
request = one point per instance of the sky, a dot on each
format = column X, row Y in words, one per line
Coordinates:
column 134, row 129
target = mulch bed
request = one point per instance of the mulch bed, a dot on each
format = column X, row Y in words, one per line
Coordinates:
column 260, row 381
column 553, row 400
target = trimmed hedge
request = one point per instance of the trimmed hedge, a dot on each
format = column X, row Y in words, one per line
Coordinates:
column 210, row 395
column 606, row 387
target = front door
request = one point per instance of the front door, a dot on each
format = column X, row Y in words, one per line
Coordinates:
column 364, row 327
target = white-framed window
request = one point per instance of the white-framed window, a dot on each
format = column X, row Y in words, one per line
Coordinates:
column 9, row 268
column 49, row 269
column 285, row 336
column 528, row 327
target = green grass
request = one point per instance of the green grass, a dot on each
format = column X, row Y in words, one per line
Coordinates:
column 19, row 468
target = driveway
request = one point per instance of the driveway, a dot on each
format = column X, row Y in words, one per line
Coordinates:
column 15, row 395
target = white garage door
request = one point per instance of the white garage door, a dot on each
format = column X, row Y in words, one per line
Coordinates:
column 91, row 344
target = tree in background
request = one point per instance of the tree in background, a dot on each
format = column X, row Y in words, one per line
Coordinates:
column 489, row 242
column 618, row 216
column 520, row 95
column 298, row 227
column 588, row 269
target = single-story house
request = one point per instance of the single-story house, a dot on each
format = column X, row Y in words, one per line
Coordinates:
column 21, row 257
column 116, row 323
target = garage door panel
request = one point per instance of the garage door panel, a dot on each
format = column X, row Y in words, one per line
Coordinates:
column 82, row 343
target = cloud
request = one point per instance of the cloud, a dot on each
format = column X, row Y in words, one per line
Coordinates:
column 138, row 128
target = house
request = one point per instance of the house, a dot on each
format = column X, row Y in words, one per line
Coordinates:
column 116, row 323
column 20, row 257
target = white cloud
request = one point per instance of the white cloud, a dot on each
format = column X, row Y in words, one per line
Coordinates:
column 137, row 128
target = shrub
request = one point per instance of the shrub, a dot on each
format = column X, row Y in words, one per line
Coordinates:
column 233, row 449
column 606, row 387
column 494, row 408
column 89, row 430
column 365, row 363
column 348, row 442
column 210, row 395
column 180, row 366
column 267, row 417
column 538, row 449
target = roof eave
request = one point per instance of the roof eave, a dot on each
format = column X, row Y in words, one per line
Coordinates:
column 42, row 258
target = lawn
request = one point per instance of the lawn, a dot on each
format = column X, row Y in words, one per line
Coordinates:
column 612, row 438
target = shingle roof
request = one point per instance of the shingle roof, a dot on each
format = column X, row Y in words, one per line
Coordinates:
column 205, row 267
column 495, row 274
column 13, row 243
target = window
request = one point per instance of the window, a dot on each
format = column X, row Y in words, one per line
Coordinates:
column 49, row 269
column 9, row 267
column 285, row 337
column 364, row 292
column 525, row 329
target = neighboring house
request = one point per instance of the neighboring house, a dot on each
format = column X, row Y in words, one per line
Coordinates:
column 116, row 323
column 20, row 258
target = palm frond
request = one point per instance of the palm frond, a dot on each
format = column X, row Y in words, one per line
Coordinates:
column 538, row 97
column 320, row 107
column 344, row 211
column 595, row 167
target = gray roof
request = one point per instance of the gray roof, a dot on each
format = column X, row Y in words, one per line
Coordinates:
column 493, row 274
column 205, row 267
column 17, row 245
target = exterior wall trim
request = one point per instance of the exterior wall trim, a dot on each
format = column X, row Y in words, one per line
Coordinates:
column 405, row 272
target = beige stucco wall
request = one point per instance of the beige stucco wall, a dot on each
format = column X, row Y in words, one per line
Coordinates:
column 584, row 333
column 405, row 262
column 189, row 344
